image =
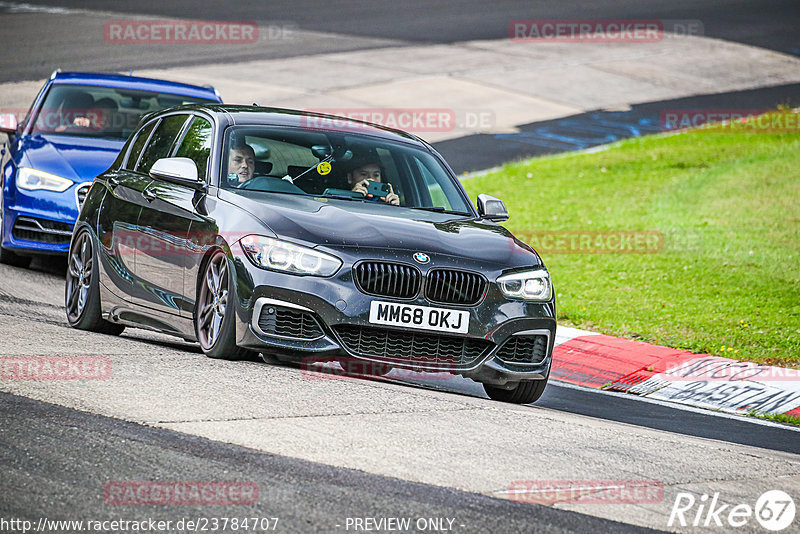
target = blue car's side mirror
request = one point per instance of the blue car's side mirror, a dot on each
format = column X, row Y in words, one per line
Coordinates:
column 8, row 123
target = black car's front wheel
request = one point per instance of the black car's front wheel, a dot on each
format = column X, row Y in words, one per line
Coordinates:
column 82, row 293
column 524, row 393
column 214, row 312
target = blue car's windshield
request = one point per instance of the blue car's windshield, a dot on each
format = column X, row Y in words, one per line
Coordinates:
column 337, row 165
column 92, row 111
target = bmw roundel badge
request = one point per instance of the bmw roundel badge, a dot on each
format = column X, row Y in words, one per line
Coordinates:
column 421, row 257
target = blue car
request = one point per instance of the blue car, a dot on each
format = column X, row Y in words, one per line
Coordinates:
column 73, row 132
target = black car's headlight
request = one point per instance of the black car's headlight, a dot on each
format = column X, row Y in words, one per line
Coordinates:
column 527, row 285
column 286, row 257
column 33, row 180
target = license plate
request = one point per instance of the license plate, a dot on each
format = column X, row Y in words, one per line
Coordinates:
column 423, row 317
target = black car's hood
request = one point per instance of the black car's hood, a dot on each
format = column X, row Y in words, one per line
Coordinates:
column 335, row 224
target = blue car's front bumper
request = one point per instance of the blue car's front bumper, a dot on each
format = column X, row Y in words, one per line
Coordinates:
column 40, row 222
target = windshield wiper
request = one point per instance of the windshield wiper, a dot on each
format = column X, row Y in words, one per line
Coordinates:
column 439, row 209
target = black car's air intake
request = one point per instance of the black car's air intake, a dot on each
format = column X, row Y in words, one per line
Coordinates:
column 286, row 322
column 523, row 349
column 412, row 346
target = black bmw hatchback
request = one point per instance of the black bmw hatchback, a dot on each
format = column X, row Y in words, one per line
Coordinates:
column 298, row 236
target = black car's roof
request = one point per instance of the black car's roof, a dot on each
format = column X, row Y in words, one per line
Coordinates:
column 256, row 115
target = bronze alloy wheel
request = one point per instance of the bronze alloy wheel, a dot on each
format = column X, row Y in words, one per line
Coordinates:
column 213, row 301
column 82, row 290
column 79, row 276
column 214, row 313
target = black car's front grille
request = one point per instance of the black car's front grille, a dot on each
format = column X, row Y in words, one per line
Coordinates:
column 410, row 346
column 82, row 192
column 523, row 349
column 287, row 322
column 454, row 287
column 387, row 279
column 41, row 230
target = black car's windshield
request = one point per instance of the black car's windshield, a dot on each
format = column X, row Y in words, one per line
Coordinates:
column 337, row 165
column 92, row 111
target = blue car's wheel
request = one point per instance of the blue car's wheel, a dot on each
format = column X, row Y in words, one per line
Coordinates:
column 82, row 294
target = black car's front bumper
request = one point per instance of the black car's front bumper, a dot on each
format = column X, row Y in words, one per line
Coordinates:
column 341, row 311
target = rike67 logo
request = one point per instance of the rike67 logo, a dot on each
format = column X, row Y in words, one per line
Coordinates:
column 774, row 510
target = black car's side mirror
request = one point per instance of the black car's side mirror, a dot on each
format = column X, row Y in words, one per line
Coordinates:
column 492, row 208
column 182, row 171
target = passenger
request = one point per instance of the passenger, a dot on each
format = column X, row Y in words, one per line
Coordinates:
column 241, row 164
column 371, row 171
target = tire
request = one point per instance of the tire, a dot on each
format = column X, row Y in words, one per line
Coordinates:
column 525, row 392
column 213, row 317
column 82, row 291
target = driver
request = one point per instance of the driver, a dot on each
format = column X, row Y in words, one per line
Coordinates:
column 358, row 178
column 241, row 163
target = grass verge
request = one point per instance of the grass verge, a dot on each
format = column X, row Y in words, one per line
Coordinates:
column 725, row 279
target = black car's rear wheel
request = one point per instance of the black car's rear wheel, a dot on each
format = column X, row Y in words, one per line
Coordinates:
column 214, row 313
column 82, row 293
column 524, row 393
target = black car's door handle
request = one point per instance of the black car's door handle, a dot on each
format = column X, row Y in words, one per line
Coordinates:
column 149, row 195
column 113, row 182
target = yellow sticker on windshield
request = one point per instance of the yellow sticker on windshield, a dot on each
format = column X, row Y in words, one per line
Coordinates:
column 324, row 168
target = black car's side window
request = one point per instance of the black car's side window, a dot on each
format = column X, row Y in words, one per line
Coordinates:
column 196, row 145
column 161, row 142
column 141, row 139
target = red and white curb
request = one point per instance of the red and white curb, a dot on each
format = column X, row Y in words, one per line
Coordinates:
column 598, row 361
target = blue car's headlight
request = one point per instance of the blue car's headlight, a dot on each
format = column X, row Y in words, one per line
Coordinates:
column 32, row 180
column 286, row 257
column 527, row 285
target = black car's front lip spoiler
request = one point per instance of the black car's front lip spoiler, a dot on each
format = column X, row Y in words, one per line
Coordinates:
column 487, row 368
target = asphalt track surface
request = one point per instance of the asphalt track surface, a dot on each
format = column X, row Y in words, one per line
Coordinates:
column 56, row 462
column 771, row 24
column 77, row 42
